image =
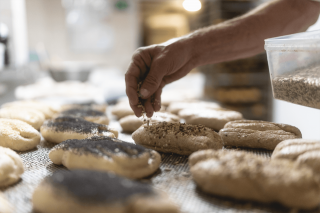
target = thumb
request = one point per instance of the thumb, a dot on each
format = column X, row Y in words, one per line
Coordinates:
column 153, row 80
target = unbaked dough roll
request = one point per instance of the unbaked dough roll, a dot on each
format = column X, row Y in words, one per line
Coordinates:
column 302, row 151
column 87, row 114
column 64, row 128
column 176, row 107
column 11, row 167
column 31, row 116
column 212, row 118
column 18, row 135
column 246, row 176
column 84, row 191
column 257, row 134
column 93, row 106
column 47, row 110
column 179, row 138
column 5, row 206
column 122, row 109
column 106, row 154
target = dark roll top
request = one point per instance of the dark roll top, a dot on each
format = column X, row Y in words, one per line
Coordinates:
column 97, row 187
column 82, row 112
column 79, row 125
column 102, row 146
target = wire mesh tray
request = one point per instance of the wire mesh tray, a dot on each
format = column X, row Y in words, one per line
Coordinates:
column 173, row 177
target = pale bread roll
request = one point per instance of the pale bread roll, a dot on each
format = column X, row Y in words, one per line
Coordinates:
column 5, row 206
column 11, row 167
column 47, row 110
column 18, row 135
column 31, row 116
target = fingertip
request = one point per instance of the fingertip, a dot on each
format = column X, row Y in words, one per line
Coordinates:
column 149, row 114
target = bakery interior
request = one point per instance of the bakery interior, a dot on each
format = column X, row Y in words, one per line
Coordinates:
column 63, row 52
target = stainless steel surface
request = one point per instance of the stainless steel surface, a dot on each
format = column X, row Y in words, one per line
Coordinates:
column 173, row 177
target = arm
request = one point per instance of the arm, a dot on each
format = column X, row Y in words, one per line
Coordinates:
column 161, row 64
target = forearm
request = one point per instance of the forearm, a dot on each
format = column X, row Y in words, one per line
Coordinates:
column 244, row 36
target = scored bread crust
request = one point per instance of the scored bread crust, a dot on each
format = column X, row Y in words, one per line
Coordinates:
column 246, row 176
column 179, row 144
column 257, row 134
column 212, row 118
column 303, row 152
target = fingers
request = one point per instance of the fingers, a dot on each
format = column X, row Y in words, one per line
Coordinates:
column 148, row 107
column 157, row 98
column 138, row 68
column 151, row 83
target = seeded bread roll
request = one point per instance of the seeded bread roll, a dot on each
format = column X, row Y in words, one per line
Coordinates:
column 84, row 191
column 87, row 114
column 212, row 118
column 178, row 138
column 106, row 154
column 11, row 167
column 131, row 123
column 257, row 134
column 18, row 135
column 246, row 176
column 302, row 151
column 47, row 110
column 31, row 116
column 5, row 206
column 63, row 128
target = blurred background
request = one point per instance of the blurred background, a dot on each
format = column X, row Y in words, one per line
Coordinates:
column 78, row 51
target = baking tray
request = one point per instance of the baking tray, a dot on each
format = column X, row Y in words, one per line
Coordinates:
column 173, row 177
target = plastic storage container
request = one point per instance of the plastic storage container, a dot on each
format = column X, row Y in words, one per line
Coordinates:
column 294, row 66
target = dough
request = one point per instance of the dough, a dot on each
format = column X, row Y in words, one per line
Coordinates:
column 18, row 135
column 11, row 167
column 176, row 107
column 84, row 191
column 302, row 151
column 31, row 116
column 5, row 206
column 122, row 109
column 178, row 138
column 67, row 127
column 212, row 118
column 246, row 176
column 93, row 106
column 87, row 114
column 48, row 111
column 106, row 154
column 257, row 134
column 131, row 123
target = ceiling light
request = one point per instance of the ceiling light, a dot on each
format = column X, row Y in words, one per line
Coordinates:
column 191, row 5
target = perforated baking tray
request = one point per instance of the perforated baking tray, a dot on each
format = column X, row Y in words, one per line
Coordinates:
column 173, row 177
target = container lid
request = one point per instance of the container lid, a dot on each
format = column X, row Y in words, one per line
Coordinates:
column 305, row 39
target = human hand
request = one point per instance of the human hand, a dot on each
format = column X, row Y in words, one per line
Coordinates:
column 155, row 66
